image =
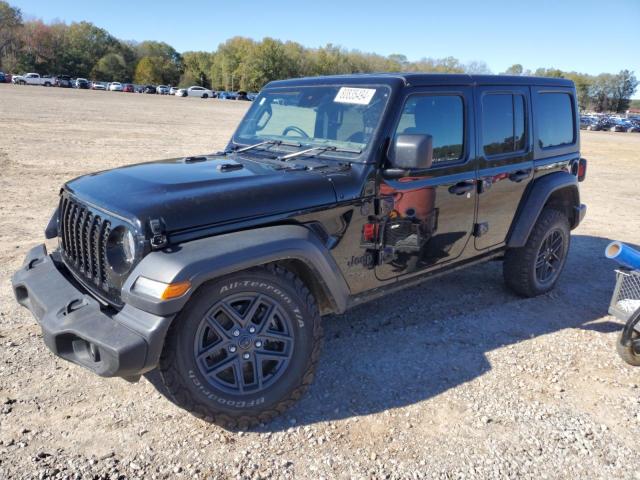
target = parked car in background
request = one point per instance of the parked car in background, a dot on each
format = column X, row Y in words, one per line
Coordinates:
column 128, row 88
column 602, row 124
column 634, row 126
column 251, row 96
column 149, row 89
column 162, row 90
column 82, row 83
column 225, row 95
column 585, row 122
column 173, row 90
column 98, row 86
column 242, row 96
column 63, row 81
column 195, row 91
column 2, row 77
column 618, row 126
column 115, row 87
column 33, row 79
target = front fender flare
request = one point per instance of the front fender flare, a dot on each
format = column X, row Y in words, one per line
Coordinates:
column 534, row 201
column 199, row 261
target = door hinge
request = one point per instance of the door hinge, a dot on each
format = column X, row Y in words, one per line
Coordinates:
column 479, row 229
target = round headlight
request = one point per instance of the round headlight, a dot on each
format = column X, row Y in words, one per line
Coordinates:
column 121, row 249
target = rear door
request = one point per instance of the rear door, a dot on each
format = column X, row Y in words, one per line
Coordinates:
column 426, row 219
column 505, row 157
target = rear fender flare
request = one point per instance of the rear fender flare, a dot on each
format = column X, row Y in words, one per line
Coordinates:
column 209, row 258
column 534, row 201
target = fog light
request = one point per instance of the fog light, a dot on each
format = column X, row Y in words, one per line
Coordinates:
column 160, row 290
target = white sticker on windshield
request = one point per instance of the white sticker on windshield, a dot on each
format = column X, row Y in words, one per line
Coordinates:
column 358, row 96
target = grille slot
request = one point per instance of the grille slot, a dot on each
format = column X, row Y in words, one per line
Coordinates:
column 83, row 242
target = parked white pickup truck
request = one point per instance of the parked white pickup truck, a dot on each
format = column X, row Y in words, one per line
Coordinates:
column 33, row 79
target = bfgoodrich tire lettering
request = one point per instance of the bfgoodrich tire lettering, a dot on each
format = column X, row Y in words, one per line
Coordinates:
column 548, row 244
column 233, row 397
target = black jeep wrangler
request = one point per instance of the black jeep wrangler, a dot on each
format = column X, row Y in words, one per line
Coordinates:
column 217, row 268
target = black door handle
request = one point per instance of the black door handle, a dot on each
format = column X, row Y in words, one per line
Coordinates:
column 461, row 188
column 519, row 176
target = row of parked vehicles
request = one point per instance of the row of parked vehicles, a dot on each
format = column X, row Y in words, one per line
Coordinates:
column 66, row 81
column 610, row 123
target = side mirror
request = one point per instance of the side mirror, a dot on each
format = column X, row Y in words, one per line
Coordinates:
column 410, row 152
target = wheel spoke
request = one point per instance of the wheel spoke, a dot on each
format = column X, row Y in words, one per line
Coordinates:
column 222, row 365
column 271, row 355
column 210, row 349
column 238, row 374
column 253, row 309
column 276, row 336
column 219, row 329
column 257, row 370
column 556, row 244
column 266, row 319
column 232, row 314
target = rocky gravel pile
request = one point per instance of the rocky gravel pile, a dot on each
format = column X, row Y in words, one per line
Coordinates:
column 454, row 379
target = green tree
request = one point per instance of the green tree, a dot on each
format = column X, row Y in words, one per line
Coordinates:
column 148, row 70
column 477, row 68
column 622, row 88
column 196, row 69
column 515, row 69
column 10, row 30
column 111, row 67
column 84, row 45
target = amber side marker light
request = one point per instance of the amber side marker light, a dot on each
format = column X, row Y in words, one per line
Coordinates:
column 160, row 290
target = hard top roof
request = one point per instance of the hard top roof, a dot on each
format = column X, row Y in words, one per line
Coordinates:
column 423, row 79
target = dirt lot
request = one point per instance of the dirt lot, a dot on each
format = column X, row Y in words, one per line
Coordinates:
column 464, row 380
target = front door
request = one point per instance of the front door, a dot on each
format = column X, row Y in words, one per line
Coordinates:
column 505, row 159
column 426, row 219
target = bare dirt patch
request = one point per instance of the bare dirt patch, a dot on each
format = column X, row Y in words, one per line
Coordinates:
column 455, row 378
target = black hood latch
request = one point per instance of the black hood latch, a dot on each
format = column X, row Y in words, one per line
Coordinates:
column 158, row 236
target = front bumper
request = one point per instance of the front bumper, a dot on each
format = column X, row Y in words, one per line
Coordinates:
column 76, row 327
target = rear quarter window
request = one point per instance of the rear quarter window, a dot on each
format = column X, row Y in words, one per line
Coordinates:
column 555, row 121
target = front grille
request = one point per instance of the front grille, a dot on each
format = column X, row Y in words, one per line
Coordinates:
column 83, row 241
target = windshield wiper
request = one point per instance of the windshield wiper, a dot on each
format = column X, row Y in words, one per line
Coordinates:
column 266, row 142
column 319, row 149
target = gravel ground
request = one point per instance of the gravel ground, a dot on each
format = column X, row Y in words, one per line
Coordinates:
column 456, row 378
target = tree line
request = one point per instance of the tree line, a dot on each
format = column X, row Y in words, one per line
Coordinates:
column 82, row 49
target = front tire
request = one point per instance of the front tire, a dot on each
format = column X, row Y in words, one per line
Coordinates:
column 534, row 269
column 244, row 349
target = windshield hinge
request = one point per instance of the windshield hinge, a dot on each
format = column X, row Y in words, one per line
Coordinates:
column 158, row 237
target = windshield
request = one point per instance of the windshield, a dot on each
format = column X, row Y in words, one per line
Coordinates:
column 333, row 116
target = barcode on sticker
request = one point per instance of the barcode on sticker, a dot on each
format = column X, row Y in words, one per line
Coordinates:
column 358, row 96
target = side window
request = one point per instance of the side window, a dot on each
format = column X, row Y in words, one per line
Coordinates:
column 554, row 117
column 442, row 117
column 503, row 123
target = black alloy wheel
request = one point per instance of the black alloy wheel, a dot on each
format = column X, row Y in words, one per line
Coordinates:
column 550, row 257
column 244, row 343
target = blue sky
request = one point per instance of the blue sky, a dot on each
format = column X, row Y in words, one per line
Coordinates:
column 588, row 36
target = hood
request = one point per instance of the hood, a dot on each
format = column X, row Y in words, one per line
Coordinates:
column 207, row 190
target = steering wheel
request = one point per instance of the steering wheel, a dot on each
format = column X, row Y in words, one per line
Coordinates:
column 298, row 130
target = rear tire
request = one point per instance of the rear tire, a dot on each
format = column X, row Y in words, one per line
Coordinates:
column 627, row 352
column 244, row 349
column 534, row 269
